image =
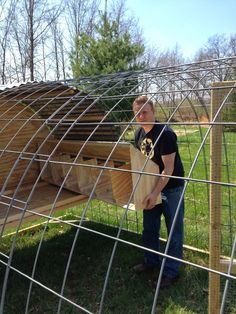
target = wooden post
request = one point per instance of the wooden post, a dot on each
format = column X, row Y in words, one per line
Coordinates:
column 217, row 97
column 215, row 203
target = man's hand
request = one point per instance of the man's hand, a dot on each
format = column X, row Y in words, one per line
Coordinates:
column 150, row 201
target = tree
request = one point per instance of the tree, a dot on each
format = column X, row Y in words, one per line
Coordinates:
column 6, row 17
column 229, row 111
column 232, row 45
column 81, row 17
column 218, row 46
column 107, row 51
column 110, row 50
column 57, row 50
column 32, row 21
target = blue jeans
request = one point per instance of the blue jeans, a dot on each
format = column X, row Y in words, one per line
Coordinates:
column 151, row 230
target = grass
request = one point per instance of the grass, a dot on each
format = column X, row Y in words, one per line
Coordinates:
column 126, row 293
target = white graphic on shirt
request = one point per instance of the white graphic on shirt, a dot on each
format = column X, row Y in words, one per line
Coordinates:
column 147, row 148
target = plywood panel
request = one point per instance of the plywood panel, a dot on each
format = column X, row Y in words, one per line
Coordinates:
column 104, row 187
column 122, row 185
column 71, row 172
column 86, row 176
column 146, row 183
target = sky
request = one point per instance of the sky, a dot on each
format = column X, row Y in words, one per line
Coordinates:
column 188, row 23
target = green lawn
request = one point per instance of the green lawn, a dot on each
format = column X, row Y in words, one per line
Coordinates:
column 126, row 292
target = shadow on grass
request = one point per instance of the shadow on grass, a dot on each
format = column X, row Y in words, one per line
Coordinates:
column 126, row 292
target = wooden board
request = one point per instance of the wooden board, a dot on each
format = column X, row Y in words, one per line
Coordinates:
column 103, row 188
column 41, row 202
column 70, row 172
column 91, row 149
column 146, row 183
column 122, row 185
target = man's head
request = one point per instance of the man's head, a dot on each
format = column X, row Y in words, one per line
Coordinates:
column 143, row 109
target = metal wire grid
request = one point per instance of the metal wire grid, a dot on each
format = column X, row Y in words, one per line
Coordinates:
column 180, row 87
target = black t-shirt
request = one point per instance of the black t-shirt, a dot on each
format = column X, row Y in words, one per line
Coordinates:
column 164, row 140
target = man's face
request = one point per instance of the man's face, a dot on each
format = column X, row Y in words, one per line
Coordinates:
column 146, row 114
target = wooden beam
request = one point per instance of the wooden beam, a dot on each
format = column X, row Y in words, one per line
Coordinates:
column 93, row 149
column 215, row 203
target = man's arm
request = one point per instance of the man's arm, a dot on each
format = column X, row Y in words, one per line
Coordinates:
column 168, row 161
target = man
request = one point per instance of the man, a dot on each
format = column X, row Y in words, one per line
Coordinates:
column 159, row 142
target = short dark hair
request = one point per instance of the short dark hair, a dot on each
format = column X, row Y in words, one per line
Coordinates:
column 143, row 99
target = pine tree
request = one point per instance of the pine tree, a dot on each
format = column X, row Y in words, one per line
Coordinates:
column 107, row 51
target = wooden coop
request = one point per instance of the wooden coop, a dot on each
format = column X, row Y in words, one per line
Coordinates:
column 38, row 155
column 65, row 144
